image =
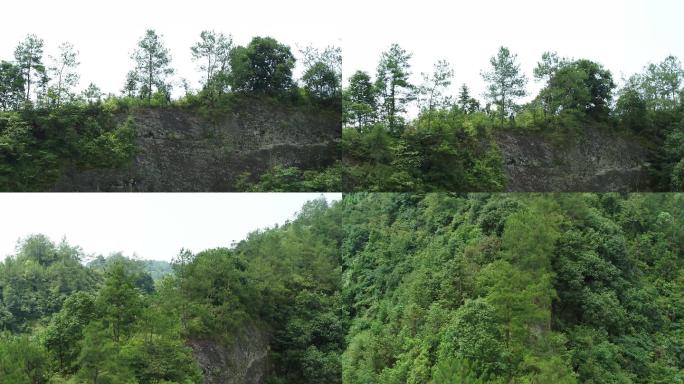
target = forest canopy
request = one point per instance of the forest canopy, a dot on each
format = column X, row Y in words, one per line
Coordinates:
column 63, row 320
column 376, row 288
column 514, row 288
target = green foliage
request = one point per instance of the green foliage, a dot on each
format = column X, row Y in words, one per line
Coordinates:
column 577, row 94
column 152, row 61
column 22, row 360
column 393, row 87
column 446, row 150
column 506, row 83
column 264, row 66
column 35, row 282
column 37, row 145
column 513, row 288
column 11, row 86
column 293, row 179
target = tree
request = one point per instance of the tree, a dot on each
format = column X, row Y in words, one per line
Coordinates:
column 467, row 103
column 100, row 360
column 29, row 59
column 63, row 71
column 632, row 110
column 433, row 86
column 393, row 86
column 264, row 66
column 581, row 85
column 213, row 51
column 63, row 334
column 118, row 300
column 22, row 360
column 131, row 84
column 11, row 86
column 361, row 99
column 323, row 72
column 548, row 66
column 662, row 82
column 506, row 82
column 152, row 64
column 92, row 94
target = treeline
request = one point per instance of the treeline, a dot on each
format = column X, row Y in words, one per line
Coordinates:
column 263, row 66
column 386, row 150
column 508, row 288
column 46, row 125
column 63, row 322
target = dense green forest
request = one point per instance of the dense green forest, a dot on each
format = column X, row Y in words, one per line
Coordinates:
column 448, row 145
column 47, row 125
column 110, row 322
column 377, row 288
column 514, row 288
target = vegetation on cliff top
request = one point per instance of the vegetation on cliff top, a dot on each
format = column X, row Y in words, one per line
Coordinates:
column 46, row 126
column 448, row 145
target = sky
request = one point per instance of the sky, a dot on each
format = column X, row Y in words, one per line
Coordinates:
column 623, row 35
column 152, row 225
column 106, row 33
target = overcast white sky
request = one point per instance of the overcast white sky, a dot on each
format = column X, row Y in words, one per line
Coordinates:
column 153, row 225
column 624, row 35
column 106, row 32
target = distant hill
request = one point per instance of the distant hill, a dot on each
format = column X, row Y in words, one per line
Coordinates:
column 155, row 268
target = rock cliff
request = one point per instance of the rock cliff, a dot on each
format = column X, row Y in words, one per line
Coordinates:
column 594, row 160
column 180, row 151
column 244, row 361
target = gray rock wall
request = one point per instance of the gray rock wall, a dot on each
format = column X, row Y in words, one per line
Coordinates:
column 180, row 151
column 245, row 361
column 592, row 161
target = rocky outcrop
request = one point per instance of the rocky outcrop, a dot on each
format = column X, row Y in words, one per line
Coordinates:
column 244, row 361
column 595, row 160
column 180, row 151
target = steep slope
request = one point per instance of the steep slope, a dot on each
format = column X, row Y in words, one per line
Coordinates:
column 594, row 160
column 513, row 288
column 178, row 150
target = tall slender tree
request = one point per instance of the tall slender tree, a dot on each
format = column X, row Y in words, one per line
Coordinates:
column 213, row 53
column 361, row 99
column 393, row 85
column 432, row 90
column 153, row 61
column 63, row 71
column 29, row 58
column 506, row 82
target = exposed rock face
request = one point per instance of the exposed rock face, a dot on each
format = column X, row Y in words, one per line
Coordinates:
column 594, row 161
column 245, row 361
column 180, row 151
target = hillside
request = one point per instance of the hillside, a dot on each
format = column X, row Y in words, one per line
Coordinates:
column 377, row 288
column 514, row 288
column 265, row 311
